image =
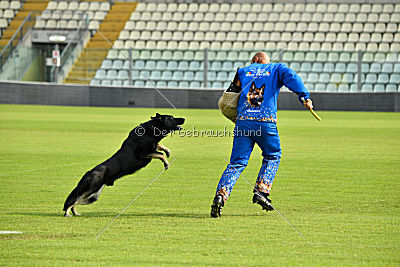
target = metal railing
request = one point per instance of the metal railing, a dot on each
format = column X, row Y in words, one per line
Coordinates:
column 71, row 51
column 15, row 40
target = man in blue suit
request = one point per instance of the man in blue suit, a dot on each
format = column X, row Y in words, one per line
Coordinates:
column 258, row 86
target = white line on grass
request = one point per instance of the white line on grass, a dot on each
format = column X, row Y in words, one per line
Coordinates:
column 9, row 232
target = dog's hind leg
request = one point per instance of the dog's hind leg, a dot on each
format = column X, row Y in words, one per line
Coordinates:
column 161, row 157
column 85, row 201
column 165, row 149
column 67, row 212
column 74, row 211
column 87, row 191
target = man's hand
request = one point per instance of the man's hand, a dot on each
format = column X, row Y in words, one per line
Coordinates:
column 308, row 104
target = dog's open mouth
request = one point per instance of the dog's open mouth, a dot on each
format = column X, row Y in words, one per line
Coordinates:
column 179, row 121
column 178, row 128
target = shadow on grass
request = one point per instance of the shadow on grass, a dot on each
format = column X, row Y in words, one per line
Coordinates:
column 133, row 215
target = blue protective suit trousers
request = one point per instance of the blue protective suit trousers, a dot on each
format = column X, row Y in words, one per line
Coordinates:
column 248, row 133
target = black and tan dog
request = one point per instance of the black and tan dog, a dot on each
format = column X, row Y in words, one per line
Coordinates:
column 256, row 95
column 141, row 146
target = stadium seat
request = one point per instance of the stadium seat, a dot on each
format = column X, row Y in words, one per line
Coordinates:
column 312, row 78
column 364, row 67
column 216, row 66
column 356, row 78
column 379, row 88
column 353, row 87
column 183, row 84
column 117, row 64
column 194, row 84
column 106, row 82
column 395, row 78
column 194, row 65
column 222, row 76
column 317, row 67
column 166, row 75
column 340, row 68
column 329, row 67
column 123, row 75
column 391, row 57
column 183, row 65
column 396, row 68
column 343, row 87
column 331, row 87
column 348, row 78
column 212, row 76
column 309, row 86
column 322, row 57
column 295, row 66
column 135, row 75
column 371, row 78
column 155, row 75
column 199, row 76
column 140, row 64
column 188, row 76
column 366, row 87
column 172, row 65
column 106, row 64
column 217, row 85
column 320, row 87
column 391, row 88
column 324, row 78
column 177, row 76
column 116, row 83
column 161, row 65
column 311, row 56
column 100, row 74
column 139, row 83
column 95, row 82
column 336, row 78
column 305, row 67
column 303, row 76
column 375, row 68
column 387, row 68
column 172, row 84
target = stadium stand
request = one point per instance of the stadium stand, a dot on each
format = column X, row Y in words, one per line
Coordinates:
column 96, row 50
column 7, row 11
column 174, row 34
column 13, row 14
column 167, row 40
column 67, row 14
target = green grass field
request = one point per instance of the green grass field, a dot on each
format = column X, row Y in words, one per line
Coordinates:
column 338, row 183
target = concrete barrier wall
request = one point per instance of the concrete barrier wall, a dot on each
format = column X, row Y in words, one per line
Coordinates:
column 84, row 95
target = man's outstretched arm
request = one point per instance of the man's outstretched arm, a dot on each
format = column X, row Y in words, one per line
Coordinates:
column 293, row 81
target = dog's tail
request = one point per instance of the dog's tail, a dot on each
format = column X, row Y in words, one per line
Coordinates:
column 71, row 199
column 83, row 185
column 91, row 182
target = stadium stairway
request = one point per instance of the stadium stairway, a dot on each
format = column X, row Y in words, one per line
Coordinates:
column 97, row 48
column 27, row 7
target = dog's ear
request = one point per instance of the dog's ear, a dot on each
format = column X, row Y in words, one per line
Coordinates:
column 158, row 116
column 252, row 86
column 262, row 88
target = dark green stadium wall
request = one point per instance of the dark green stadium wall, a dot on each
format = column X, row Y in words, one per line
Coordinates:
column 83, row 95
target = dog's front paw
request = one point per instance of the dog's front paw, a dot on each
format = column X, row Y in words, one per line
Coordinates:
column 166, row 166
column 67, row 215
column 167, row 152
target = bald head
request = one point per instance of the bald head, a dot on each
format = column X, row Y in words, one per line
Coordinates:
column 261, row 58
